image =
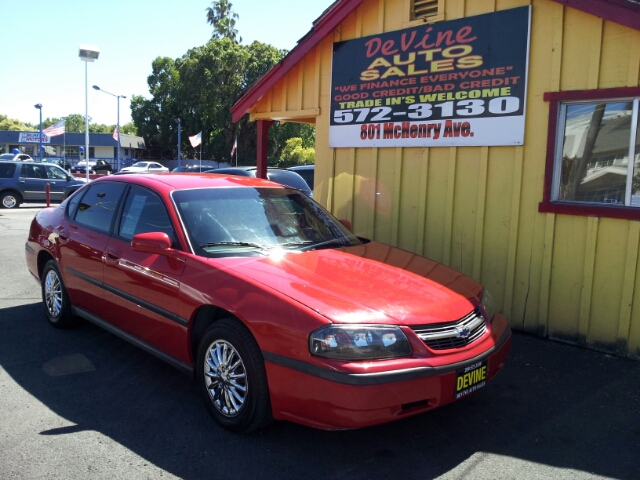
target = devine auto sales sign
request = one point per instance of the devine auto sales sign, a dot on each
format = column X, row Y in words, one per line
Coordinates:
column 457, row 83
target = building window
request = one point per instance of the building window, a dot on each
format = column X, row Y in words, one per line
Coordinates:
column 424, row 9
column 71, row 151
column 593, row 153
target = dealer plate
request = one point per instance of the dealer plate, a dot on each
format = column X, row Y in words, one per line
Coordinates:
column 471, row 378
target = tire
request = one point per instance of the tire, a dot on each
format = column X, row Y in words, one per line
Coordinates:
column 237, row 398
column 10, row 200
column 55, row 299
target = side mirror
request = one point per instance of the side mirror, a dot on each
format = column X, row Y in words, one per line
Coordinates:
column 151, row 242
column 346, row 223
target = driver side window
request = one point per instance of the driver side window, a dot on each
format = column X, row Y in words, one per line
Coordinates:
column 145, row 212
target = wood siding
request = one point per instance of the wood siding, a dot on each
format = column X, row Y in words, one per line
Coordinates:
column 476, row 208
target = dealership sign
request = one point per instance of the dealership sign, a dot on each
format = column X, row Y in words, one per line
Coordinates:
column 457, row 83
column 32, row 138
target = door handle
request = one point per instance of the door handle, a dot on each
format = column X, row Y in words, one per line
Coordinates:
column 111, row 257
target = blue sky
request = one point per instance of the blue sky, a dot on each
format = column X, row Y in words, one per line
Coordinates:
column 40, row 61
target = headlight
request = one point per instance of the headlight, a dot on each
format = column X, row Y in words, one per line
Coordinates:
column 486, row 301
column 359, row 342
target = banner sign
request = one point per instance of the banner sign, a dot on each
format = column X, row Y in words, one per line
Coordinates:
column 456, row 83
column 32, row 137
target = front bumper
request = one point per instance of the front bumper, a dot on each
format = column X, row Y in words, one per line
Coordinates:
column 333, row 400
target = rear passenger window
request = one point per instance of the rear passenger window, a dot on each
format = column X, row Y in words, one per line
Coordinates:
column 98, row 206
column 144, row 212
column 33, row 171
column 7, row 170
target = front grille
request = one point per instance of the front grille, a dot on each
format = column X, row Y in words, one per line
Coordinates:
column 442, row 336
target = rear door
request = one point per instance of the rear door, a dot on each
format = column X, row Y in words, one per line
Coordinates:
column 32, row 181
column 83, row 238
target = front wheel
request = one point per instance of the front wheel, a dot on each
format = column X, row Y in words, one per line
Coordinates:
column 55, row 299
column 232, row 378
column 10, row 200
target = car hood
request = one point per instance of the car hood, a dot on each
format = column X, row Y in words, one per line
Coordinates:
column 370, row 283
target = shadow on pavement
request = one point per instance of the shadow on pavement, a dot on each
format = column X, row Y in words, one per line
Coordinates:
column 552, row 404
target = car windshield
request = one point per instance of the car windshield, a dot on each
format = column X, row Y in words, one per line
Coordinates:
column 7, row 156
column 140, row 164
column 248, row 221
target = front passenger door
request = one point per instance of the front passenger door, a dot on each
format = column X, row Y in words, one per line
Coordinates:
column 142, row 289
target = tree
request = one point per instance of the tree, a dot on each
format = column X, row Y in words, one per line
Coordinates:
column 14, row 125
column 223, row 20
column 199, row 88
column 295, row 154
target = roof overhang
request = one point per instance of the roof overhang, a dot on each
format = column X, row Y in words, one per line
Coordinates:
column 327, row 22
column 624, row 12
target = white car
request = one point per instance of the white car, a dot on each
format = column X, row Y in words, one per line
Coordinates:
column 13, row 157
column 139, row 167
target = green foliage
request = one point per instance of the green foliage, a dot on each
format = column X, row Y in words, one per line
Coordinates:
column 294, row 153
column 14, row 125
column 199, row 88
column 223, row 20
column 129, row 129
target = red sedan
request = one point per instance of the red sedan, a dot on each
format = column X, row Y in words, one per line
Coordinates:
column 274, row 307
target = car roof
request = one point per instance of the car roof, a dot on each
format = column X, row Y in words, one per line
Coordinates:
column 302, row 167
column 169, row 181
column 20, row 162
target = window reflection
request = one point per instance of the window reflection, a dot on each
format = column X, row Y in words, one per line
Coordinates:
column 595, row 154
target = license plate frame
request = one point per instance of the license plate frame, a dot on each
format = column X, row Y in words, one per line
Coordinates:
column 470, row 378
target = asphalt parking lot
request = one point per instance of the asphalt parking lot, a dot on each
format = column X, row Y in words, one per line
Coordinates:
column 84, row 404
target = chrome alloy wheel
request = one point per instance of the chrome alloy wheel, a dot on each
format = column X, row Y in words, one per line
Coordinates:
column 9, row 201
column 53, row 293
column 225, row 377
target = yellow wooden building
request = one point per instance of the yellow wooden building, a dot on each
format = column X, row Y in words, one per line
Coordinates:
column 542, row 208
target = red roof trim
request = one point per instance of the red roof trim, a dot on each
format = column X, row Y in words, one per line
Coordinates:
column 322, row 27
column 624, row 12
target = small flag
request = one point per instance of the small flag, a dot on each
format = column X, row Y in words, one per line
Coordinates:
column 115, row 134
column 235, row 145
column 196, row 140
column 55, row 129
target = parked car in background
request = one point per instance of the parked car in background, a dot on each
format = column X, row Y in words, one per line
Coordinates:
column 25, row 182
column 102, row 167
column 142, row 167
column 81, row 167
column 278, row 175
column 305, row 171
column 192, row 168
column 270, row 303
column 65, row 165
column 15, row 157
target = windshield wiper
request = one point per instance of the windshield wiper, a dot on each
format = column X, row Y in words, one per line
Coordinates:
column 293, row 244
column 327, row 244
column 233, row 244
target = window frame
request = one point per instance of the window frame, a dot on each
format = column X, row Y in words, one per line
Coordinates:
column 555, row 142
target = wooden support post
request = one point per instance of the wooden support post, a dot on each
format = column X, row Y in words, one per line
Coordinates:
column 263, row 146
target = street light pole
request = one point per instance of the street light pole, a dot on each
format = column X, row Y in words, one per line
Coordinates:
column 88, row 53
column 39, row 107
column 118, row 97
column 177, row 120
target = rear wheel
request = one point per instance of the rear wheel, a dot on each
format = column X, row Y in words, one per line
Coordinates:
column 231, row 377
column 10, row 200
column 55, row 299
